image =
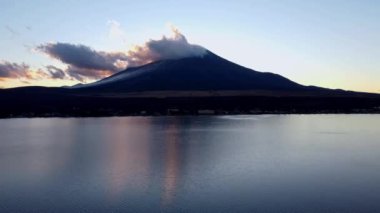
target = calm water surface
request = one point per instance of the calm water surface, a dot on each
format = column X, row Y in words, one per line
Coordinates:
column 264, row 163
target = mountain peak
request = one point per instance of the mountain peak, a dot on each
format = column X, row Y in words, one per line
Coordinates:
column 208, row 72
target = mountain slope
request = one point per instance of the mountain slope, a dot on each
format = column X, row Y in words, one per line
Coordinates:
column 209, row 72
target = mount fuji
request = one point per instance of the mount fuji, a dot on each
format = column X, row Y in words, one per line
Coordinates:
column 188, row 85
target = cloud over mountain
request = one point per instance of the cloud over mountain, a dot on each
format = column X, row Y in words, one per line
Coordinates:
column 173, row 47
column 83, row 63
column 86, row 63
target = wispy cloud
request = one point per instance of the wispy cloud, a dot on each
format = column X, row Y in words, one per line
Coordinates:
column 116, row 31
column 12, row 31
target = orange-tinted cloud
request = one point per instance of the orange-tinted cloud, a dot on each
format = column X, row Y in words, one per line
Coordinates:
column 23, row 71
column 13, row 70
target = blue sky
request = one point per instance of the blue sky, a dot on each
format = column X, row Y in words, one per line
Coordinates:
column 329, row 43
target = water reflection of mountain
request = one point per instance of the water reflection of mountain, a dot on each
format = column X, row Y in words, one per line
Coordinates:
column 155, row 161
column 215, row 164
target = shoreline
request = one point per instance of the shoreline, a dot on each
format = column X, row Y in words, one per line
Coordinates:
column 110, row 115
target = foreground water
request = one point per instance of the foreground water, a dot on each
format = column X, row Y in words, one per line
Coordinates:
column 264, row 163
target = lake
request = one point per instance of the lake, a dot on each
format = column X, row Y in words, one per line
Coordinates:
column 256, row 163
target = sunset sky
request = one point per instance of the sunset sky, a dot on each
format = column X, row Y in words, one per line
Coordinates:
column 328, row 43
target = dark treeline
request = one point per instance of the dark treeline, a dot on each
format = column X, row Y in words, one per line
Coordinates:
column 65, row 105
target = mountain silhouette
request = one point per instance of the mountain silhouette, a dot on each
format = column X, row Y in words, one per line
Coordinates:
column 209, row 72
